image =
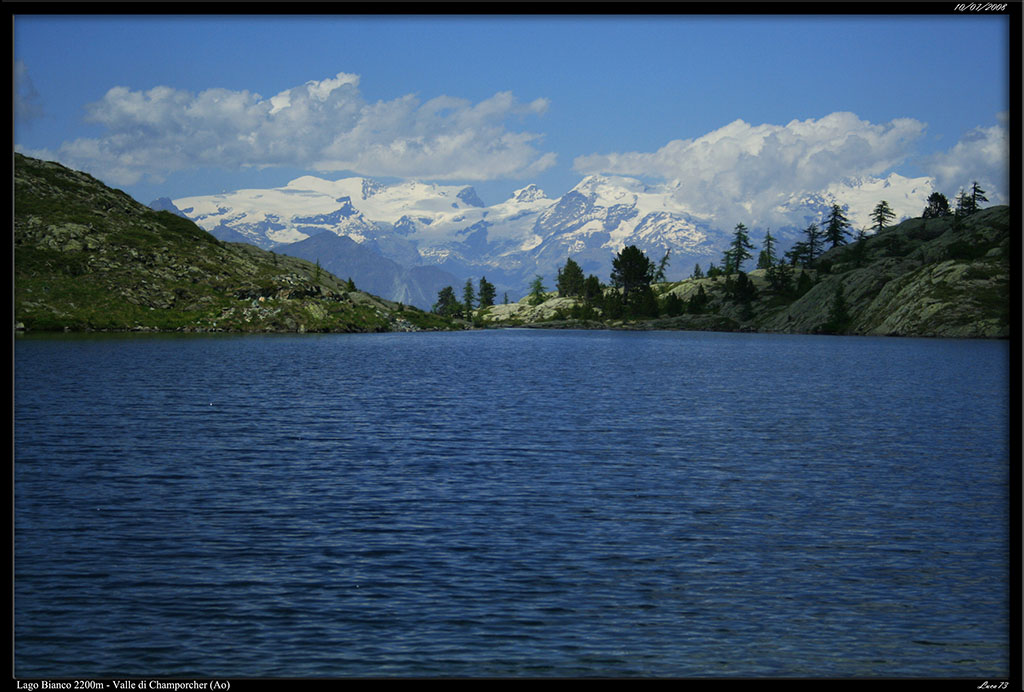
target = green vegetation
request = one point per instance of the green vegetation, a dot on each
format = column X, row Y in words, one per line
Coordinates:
column 486, row 292
column 537, row 290
column 87, row 257
column 939, row 275
column 570, row 279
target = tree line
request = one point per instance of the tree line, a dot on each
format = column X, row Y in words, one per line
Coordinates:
column 448, row 305
column 633, row 273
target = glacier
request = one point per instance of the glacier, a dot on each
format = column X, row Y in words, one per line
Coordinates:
column 450, row 230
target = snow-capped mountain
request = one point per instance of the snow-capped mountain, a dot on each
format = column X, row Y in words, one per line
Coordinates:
column 451, row 229
column 907, row 197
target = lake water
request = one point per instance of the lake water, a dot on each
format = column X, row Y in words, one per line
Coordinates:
column 511, row 503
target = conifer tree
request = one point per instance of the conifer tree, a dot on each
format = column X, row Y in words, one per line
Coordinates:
column 697, row 302
column 592, row 291
column 570, row 279
column 537, row 290
column 468, row 297
column 486, row 293
column 798, row 254
column 838, row 315
column 836, row 228
column 767, row 257
column 673, row 305
column 739, row 249
column 446, row 304
column 977, row 196
column 697, row 273
column 780, row 277
column 963, row 207
column 632, row 271
column 938, row 206
column 742, row 290
column 659, row 273
column 882, row 215
column 859, row 247
column 806, row 251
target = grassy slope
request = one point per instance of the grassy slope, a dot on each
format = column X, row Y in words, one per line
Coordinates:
column 90, row 257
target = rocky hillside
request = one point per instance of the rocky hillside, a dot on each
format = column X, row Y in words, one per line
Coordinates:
column 90, row 257
column 922, row 277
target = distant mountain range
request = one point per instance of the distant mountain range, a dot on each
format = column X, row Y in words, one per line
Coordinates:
column 408, row 240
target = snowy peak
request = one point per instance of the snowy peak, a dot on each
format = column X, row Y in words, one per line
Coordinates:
column 610, row 190
column 907, row 197
column 530, row 193
column 527, row 234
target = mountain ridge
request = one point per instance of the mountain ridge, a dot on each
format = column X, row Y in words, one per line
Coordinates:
column 89, row 257
column 525, row 235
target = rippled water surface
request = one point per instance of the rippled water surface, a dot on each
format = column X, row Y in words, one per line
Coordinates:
column 511, row 503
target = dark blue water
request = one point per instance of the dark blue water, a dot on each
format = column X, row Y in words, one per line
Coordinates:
column 511, row 503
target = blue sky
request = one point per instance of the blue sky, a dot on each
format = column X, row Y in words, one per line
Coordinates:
column 187, row 105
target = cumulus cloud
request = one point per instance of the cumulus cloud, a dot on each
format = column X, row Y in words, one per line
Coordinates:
column 325, row 125
column 981, row 155
column 743, row 169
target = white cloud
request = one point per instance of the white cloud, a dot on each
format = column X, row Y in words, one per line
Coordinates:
column 325, row 125
column 742, row 169
column 981, row 155
column 27, row 104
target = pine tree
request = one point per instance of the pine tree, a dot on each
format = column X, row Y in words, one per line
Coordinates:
column 537, row 290
column 742, row 290
column 446, row 304
column 673, row 305
column 806, row 251
column 882, row 215
column 697, row 302
column 697, row 273
column 632, row 272
column 570, row 279
column 836, row 228
column 815, row 242
column 977, row 196
column 838, row 314
column 780, row 277
column 767, row 257
column 739, row 250
column 859, row 247
column 938, row 206
column 592, row 291
column 468, row 297
column 645, row 304
column 798, row 254
column 486, row 293
column 963, row 207
column 659, row 273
